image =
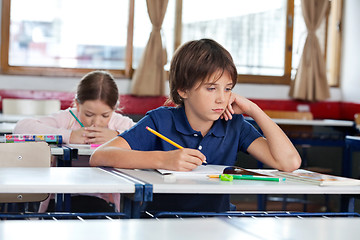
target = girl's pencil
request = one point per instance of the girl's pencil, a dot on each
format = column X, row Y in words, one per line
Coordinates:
column 82, row 125
column 165, row 138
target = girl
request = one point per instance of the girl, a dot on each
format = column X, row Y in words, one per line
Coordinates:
column 94, row 105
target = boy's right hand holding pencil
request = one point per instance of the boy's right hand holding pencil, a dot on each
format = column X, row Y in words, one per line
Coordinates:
column 184, row 159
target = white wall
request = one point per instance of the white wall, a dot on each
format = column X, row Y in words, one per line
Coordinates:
column 350, row 68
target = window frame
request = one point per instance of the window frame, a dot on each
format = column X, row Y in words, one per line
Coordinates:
column 57, row 71
column 127, row 73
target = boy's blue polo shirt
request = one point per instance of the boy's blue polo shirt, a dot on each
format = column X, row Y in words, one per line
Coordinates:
column 220, row 146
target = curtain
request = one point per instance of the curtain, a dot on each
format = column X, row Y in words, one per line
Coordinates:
column 149, row 77
column 310, row 80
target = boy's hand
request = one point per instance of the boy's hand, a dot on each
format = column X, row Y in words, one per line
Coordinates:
column 237, row 105
column 184, row 159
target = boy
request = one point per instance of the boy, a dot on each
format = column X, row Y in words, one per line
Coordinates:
column 208, row 123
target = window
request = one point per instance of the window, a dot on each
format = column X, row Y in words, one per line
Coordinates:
column 66, row 34
column 254, row 32
column 65, row 37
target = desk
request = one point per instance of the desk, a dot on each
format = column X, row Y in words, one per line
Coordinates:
column 326, row 132
column 316, row 122
column 10, row 118
column 6, row 128
column 82, row 149
column 295, row 228
column 68, row 153
column 189, row 228
column 8, row 122
column 133, row 229
column 204, row 185
column 322, row 123
column 69, row 180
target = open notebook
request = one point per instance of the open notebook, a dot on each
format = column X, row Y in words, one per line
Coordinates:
column 201, row 170
column 318, row 178
column 204, row 170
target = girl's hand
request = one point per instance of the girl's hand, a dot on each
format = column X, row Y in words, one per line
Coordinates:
column 99, row 135
column 77, row 136
column 237, row 105
column 184, row 159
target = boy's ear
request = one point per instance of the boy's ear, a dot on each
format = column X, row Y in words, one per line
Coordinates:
column 182, row 93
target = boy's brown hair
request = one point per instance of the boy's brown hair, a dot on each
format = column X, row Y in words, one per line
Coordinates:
column 196, row 61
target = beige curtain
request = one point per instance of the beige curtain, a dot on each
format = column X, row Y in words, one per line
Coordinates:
column 310, row 81
column 149, row 78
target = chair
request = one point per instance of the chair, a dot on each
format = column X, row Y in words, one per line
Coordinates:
column 30, row 106
column 29, row 154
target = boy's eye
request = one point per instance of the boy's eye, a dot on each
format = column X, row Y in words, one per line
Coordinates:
column 228, row 89
column 210, row 88
column 88, row 115
column 106, row 116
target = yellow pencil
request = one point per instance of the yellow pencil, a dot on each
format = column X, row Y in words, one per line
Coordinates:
column 165, row 138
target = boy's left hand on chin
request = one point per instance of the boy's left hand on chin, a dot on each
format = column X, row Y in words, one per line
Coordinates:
column 237, row 105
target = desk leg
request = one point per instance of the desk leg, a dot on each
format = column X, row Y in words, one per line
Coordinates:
column 67, row 202
column 65, row 159
column 347, row 203
column 262, row 199
column 127, row 207
column 131, row 208
column 136, row 209
column 69, row 155
column 347, row 162
column 59, row 202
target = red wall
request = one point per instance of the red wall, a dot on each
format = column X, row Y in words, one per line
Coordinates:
column 140, row 105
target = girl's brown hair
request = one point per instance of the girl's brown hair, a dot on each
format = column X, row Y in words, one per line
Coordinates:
column 98, row 85
column 197, row 61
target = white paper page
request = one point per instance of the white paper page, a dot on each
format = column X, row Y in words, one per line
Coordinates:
column 200, row 170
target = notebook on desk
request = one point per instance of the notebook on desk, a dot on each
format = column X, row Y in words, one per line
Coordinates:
column 202, row 170
column 318, row 178
column 205, row 170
